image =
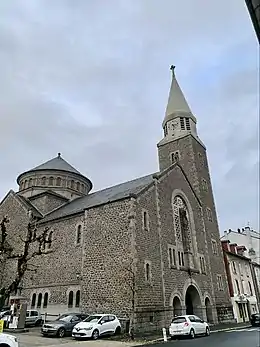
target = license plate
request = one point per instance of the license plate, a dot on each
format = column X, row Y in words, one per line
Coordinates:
column 77, row 335
column 44, row 329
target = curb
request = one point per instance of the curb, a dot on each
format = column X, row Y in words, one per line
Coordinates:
column 15, row 331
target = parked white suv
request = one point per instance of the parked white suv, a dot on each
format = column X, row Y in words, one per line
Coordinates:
column 188, row 325
column 97, row 325
column 7, row 340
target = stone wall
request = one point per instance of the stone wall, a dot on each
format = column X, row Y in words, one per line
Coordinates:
column 47, row 202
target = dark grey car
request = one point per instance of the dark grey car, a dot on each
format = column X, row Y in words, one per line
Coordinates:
column 63, row 325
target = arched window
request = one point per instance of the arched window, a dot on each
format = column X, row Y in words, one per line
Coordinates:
column 78, row 186
column 58, row 181
column 72, row 184
column 21, row 185
column 30, row 182
column 50, row 239
column 182, row 223
column 70, row 301
column 77, row 299
column 51, row 181
column 45, row 300
column 237, row 285
column 43, row 181
column 39, row 301
column 82, row 188
column 79, row 234
column 33, row 300
column 147, row 271
column 250, row 288
column 25, row 184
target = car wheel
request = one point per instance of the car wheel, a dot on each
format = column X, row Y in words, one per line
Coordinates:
column 61, row 332
column 118, row 331
column 192, row 334
column 207, row 333
column 95, row 334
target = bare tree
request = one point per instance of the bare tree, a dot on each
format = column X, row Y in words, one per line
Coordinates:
column 34, row 244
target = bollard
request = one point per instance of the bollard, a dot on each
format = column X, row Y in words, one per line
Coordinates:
column 164, row 335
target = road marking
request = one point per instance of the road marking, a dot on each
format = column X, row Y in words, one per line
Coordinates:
column 243, row 330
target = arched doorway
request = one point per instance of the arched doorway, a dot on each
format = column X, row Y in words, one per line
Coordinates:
column 208, row 310
column 176, row 303
column 192, row 301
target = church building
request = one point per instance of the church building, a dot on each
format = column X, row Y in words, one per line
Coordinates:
column 148, row 248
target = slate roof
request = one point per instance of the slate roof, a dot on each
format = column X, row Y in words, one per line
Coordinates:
column 29, row 205
column 57, row 163
column 104, row 196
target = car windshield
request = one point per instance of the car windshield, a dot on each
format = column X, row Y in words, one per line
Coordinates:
column 65, row 318
column 178, row 320
column 92, row 319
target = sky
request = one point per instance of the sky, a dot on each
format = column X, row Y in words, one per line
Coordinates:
column 90, row 79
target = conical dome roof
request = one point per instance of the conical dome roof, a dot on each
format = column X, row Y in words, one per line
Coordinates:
column 57, row 163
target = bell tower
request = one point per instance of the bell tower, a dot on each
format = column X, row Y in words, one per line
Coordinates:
column 178, row 123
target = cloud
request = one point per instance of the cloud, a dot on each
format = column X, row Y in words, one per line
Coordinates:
column 91, row 80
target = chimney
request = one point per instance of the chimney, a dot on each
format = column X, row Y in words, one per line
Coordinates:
column 225, row 245
column 241, row 250
column 233, row 248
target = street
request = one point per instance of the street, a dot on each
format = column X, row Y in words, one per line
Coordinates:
column 249, row 337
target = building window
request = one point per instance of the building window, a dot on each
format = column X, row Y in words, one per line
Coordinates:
column 70, row 301
column 220, row 282
column 82, row 188
column 175, row 157
column 72, row 184
column 145, row 220
column 50, row 239
column 51, row 181
column 234, row 267
column 148, row 272
column 182, row 123
column 30, row 182
column 39, row 301
column 33, row 300
column 79, row 234
column 203, row 265
column 209, row 214
column 187, row 121
column 25, row 184
column 237, row 287
column 58, row 181
column 181, row 259
column 43, row 181
column 77, row 299
column 214, row 247
column 78, row 186
column 165, row 130
column 172, row 256
column 204, row 185
column 250, row 289
column 45, row 300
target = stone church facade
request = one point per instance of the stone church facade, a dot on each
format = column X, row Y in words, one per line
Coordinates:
column 148, row 247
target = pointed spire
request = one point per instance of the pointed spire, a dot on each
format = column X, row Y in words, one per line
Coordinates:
column 176, row 102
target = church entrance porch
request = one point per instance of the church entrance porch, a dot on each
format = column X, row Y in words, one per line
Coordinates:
column 193, row 302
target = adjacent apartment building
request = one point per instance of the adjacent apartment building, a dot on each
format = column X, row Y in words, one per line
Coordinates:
column 241, row 281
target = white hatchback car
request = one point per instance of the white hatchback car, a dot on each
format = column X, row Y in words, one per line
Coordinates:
column 188, row 325
column 7, row 340
column 97, row 325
